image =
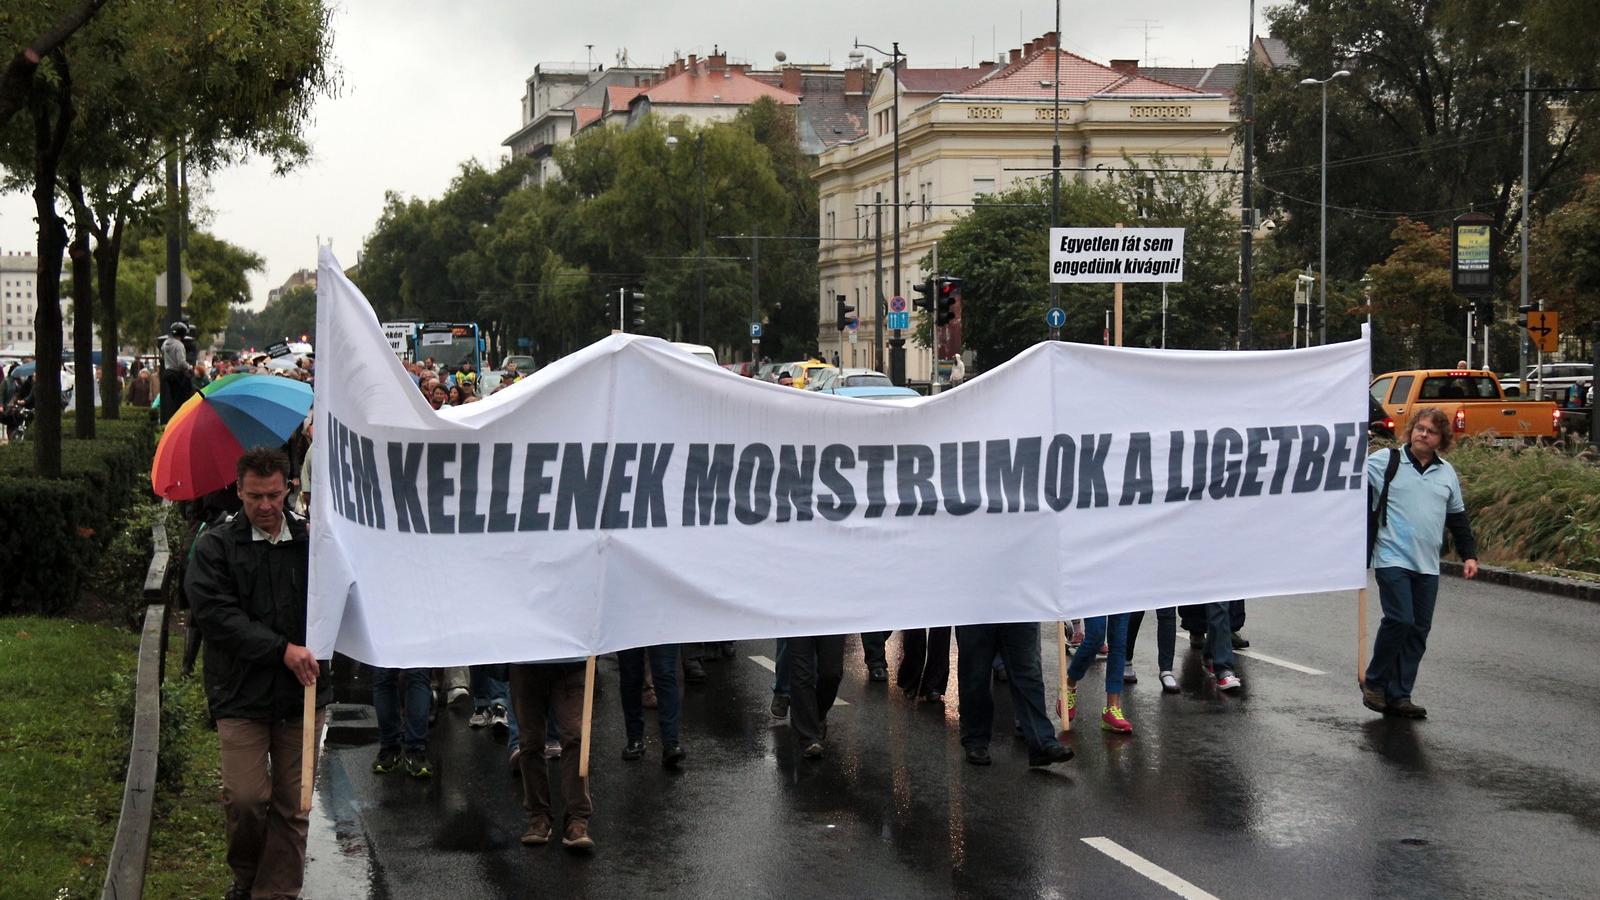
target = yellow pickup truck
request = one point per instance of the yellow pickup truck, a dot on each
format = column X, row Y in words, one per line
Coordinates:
column 1472, row 400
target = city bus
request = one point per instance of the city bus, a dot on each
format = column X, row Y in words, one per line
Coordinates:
column 451, row 345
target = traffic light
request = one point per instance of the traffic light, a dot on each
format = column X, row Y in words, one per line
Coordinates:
column 1483, row 309
column 842, row 313
column 947, row 300
column 924, row 292
column 1314, row 314
column 1522, row 316
column 636, row 309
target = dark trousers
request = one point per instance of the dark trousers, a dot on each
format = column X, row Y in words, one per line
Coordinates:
column 872, row 649
column 1018, row 645
column 557, row 687
column 1166, row 635
column 1408, row 600
column 664, row 672
column 400, row 701
column 924, row 661
column 816, row 666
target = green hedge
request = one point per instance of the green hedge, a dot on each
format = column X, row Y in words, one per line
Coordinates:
column 1535, row 504
column 58, row 527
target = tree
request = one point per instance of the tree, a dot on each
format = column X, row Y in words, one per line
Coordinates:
column 1564, row 261
column 217, row 269
column 1429, row 123
column 221, row 81
column 1412, row 299
column 16, row 82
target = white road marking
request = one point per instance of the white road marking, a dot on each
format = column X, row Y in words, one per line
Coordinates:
column 1148, row 869
column 767, row 663
column 1304, row 670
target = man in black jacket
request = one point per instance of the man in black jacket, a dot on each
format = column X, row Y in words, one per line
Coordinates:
column 247, row 590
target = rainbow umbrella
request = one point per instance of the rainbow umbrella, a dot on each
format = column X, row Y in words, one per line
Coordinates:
column 211, row 430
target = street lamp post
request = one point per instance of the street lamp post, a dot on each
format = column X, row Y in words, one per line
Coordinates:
column 700, row 251
column 897, row 343
column 1322, row 255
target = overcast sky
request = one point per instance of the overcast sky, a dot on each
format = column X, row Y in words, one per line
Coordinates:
column 428, row 84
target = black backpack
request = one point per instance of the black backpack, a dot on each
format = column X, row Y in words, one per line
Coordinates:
column 1378, row 513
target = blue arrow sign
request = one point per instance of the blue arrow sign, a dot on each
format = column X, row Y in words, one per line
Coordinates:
column 755, row 329
column 1055, row 317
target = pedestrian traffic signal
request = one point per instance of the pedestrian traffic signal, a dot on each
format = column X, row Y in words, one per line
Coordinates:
column 842, row 313
column 925, row 292
column 636, row 309
column 948, row 300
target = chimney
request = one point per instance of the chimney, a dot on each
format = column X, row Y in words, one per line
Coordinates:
column 1027, row 49
column 855, row 80
column 1016, row 55
column 1050, row 39
column 1126, row 66
column 716, row 61
column 791, row 79
column 694, row 67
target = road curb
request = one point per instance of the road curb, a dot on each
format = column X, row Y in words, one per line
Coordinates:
column 1544, row 584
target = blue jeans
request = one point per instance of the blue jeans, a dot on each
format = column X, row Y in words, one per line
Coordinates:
column 664, row 671
column 780, row 675
column 1097, row 631
column 489, row 686
column 400, row 699
column 1219, row 634
column 1408, row 600
column 1018, row 644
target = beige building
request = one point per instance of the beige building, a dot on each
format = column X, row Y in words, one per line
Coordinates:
column 980, row 130
column 19, row 292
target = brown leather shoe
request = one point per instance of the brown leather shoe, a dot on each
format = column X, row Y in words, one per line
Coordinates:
column 1408, row 709
column 1373, row 699
column 577, row 836
column 538, row 833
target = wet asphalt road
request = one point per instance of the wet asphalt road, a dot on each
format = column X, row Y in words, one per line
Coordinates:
column 1288, row 789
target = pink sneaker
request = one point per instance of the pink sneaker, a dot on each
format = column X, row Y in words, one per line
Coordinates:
column 1111, row 719
column 1072, row 704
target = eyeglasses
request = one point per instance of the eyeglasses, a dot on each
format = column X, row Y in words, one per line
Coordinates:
column 1423, row 429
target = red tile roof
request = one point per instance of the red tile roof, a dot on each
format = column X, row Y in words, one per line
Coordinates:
column 618, row 97
column 1032, row 76
column 941, row 81
column 701, row 87
column 585, row 116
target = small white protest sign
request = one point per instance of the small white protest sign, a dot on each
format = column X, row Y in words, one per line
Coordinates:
column 1092, row 255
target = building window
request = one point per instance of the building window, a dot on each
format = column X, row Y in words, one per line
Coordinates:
column 830, row 227
column 982, row 186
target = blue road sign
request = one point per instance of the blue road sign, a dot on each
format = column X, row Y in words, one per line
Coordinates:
column 1055, row 317
column 755, row 329
column 899, row 320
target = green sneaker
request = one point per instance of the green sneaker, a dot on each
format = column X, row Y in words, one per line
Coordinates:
column 416, row 763
column 388, row 761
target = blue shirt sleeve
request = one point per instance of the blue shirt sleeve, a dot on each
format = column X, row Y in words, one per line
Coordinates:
column 1454, row 503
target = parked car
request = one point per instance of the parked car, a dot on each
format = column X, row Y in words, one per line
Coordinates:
column 1558, row 377
column 876, row 392
column 525, row 364
column 700, row 351
column 842, row 378
column 745, row 368
column 1379, row 423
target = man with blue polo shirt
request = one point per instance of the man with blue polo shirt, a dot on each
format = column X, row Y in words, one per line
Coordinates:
column 1424, row 499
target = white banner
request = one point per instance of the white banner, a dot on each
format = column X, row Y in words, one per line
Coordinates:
column 630, row 495
column 1089, row 255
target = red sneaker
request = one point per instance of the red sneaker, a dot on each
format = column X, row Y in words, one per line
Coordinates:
column 1111, row 719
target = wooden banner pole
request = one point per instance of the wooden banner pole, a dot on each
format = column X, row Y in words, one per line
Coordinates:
column 588, row 718
column 1361, row 637
column 1061, row 659
column 308, row 747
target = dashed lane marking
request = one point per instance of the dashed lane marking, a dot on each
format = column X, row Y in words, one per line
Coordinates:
column 767, row 663
column 1304, row 670
column 1148, row 869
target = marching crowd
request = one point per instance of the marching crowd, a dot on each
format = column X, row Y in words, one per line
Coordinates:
column 253, row 629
